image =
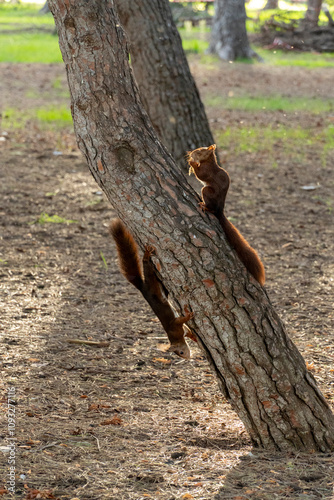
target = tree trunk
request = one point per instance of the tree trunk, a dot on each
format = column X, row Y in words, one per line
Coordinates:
column 312, row 14
column 45, row 9
column 167, row 88
column 271, row 4
column 229, row 38
column 259, row 369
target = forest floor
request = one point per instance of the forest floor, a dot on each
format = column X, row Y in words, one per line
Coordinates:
column 127, row 420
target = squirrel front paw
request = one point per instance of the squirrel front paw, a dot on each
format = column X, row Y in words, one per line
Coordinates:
column 189, row 315
column 203, row 206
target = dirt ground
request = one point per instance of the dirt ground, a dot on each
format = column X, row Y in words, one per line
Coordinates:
column 127, row 420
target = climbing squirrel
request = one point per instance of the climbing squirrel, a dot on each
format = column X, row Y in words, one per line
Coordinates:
column 151, row 288
column 203, row 163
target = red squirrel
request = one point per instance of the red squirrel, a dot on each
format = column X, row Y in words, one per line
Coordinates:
column 203, row 163
column 150, row 287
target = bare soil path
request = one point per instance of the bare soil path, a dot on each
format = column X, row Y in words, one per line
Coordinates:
column 127, row 420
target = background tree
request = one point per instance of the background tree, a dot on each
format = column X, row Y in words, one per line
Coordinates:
column 229, row 38
column 259, row 369
column 167, row 88
column 312, row 14
column 271, row 4
column 45, row 9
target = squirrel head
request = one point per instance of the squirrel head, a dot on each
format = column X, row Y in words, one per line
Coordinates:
column 202, row 154
column 181, row 349
column 203, row 163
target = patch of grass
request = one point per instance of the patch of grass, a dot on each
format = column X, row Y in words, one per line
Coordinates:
column 29, row 48
column 294, row 58
column 195, row 39
column 13, row 119
column 104, row 261
column 22, row 43
column 271, row 103
column 24, row 14
column 51, row 118
column 60, row 115
column 293, row 142
column 195, row 46
column 57, row 84
column 44, row 218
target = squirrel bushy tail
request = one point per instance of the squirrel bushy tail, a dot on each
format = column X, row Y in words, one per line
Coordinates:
column 128, row 256
column 145, row 280
column 245, row 252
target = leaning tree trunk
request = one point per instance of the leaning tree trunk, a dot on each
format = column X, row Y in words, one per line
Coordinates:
column 229, row 38
column 259, row 369
column 167, row 88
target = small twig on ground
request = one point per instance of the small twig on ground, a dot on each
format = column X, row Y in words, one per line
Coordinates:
column 88, row 342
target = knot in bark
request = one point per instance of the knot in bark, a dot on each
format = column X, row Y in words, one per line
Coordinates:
column 125, row 157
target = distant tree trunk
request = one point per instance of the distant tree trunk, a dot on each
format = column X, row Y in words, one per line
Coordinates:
column 312, row 14
column 259, row 369
column 167, row 88
column 328, row 15
column 45, row 9
column 271, row 4
column 229, row 38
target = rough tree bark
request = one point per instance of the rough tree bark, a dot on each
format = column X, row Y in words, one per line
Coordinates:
column 167, row 88
column 229, row 38
column 259, row 369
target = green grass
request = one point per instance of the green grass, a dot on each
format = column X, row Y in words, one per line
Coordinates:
column 24, row 14
column 44, row 218
column 273, row 58
column 295, row 58
column 195, row 39
column 290, row 141
column 42, row 47
column 57, row 84
column 49, row 118
column 194, row 45
column 61, row 115
column 29, row 48
column 272, row 103
column 104, row 261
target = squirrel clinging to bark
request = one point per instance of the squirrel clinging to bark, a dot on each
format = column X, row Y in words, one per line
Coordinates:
column 150, row 287
column 203, row 163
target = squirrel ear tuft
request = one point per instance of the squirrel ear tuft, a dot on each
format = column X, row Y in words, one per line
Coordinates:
column 212, row 147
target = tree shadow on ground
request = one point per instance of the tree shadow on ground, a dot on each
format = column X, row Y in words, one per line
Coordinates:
column 264, row 475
